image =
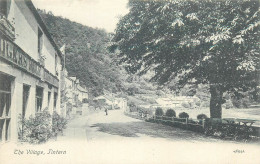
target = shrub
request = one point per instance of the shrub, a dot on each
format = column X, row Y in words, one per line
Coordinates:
column 36, row 129
column 241, row 103
column 40, row 128
column 58, row 124
column 201, row 116
column 183, row 115
column 197, row 103
column 205, row 104
column 228, row 104
column 170, row 113
column 159, row 111
column 185, row 105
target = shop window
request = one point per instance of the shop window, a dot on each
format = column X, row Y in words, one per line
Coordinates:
column 7, row 129
column 55, row 100
column 2, row 122
column 39, row 97
column 26, row 92
column 49, row 98
column 5, row 104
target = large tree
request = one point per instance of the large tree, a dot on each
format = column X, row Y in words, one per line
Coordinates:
column 211, row 42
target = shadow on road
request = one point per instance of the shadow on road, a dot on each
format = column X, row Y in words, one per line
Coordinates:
column 132, row 129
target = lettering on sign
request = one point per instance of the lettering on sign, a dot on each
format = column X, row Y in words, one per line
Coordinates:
column 15, row 55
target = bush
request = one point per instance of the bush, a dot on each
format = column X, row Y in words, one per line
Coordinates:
column 170, row 113
column 201, row 116
column 40, row 128
column 228, row 104
column 58, row 124
column 36, row 129
column 183, row 115
column 159, row 111
column 197, row 103
column 241, row 103
column 205, row 104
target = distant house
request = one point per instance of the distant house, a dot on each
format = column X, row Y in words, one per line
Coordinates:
column 171, row 102
column 114, row 102
column 105, row 98
column 82, row 93
column 75, row 94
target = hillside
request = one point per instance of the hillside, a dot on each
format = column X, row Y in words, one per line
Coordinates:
column 86, row 54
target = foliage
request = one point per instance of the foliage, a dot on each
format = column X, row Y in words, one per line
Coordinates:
column 183, row 115
column 159, row 111
column 228, row 104
column 41, row 128
column 170, row 113
column 202, row 42
column 36, row 129
column 230, row 131
column 201, row 116
column 86, row 54
column 58, row 123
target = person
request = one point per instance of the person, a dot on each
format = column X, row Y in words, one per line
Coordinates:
column 106, row 111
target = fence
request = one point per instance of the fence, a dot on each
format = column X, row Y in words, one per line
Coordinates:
column 224, row 128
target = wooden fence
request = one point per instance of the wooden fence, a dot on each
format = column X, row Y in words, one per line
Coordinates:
column 199, row 125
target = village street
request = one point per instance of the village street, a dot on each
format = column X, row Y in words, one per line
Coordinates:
column 97, row 138
column 116, row 125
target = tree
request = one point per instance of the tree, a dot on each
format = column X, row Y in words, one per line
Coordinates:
column 201, row 42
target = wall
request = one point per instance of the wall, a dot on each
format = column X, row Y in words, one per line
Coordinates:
column 26, row 30
column 21, row 78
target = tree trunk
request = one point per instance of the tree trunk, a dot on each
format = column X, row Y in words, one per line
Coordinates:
column 216, row 101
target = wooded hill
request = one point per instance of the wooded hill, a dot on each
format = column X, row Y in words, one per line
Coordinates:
column 86, row 54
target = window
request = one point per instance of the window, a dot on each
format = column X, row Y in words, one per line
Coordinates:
column 5, row 104
column 26, row 89
column 49, row 98
column 55, row 100
column 56, row 60
column 40, row 41
column 39, row 96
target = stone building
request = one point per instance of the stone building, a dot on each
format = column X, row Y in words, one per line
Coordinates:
column 30, row 65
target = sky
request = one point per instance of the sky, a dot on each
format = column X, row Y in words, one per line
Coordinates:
column 102, row 14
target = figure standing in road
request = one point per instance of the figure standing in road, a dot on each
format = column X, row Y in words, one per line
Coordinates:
column 106, row 111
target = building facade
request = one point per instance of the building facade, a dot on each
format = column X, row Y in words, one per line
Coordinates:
column 75, row 95
column 30, row 66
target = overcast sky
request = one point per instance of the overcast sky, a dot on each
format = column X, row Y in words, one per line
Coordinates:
column 94, row 13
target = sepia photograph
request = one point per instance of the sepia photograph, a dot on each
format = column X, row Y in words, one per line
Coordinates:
column 130, row 81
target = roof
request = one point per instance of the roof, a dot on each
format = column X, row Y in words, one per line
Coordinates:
column 104, row 97
column 43, row 26
column 80, row 88
column 73, row 78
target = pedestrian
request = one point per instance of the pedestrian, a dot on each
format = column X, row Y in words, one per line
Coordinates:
column 106, row 111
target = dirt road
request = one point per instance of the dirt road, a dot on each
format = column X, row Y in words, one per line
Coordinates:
column 116, row 139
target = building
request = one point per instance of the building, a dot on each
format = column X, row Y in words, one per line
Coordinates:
column 82, row 93
column 30, row 65
column 76, row 96
column 112, row 101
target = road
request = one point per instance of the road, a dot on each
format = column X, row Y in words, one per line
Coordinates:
column 116, row 125
column 122, row 138
column 116, row 139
